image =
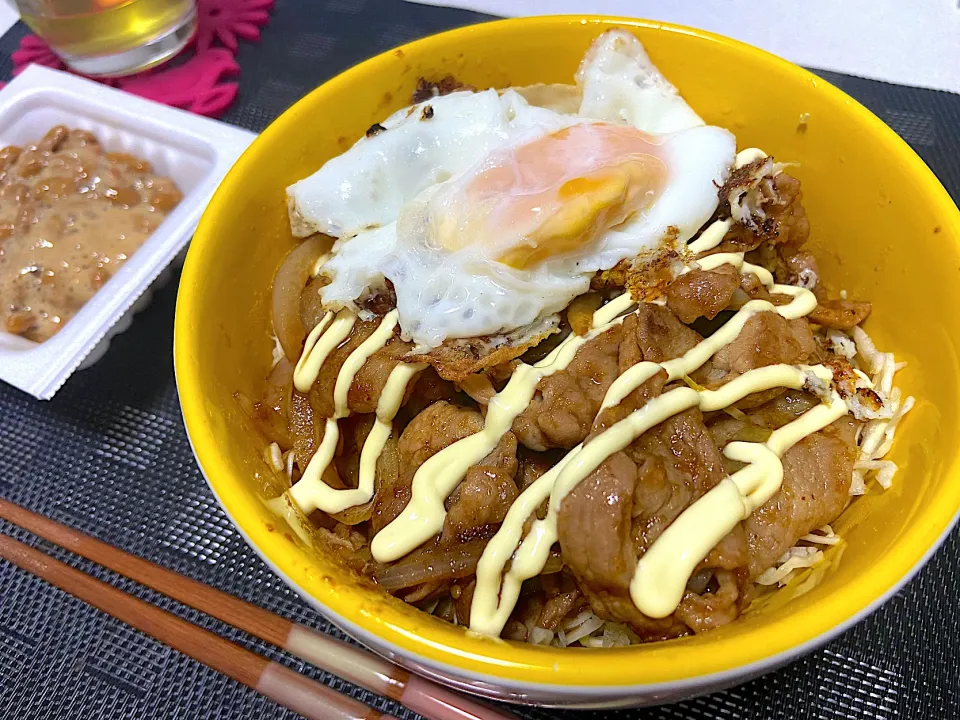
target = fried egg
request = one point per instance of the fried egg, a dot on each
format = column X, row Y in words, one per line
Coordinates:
column 488, row 214
column 413, row 149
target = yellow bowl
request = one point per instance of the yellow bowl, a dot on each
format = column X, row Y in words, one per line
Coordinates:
column 883, row 228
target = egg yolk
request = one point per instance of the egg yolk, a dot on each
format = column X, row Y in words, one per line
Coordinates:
column 557, row 194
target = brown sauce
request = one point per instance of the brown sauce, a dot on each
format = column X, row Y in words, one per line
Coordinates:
column 70, row 215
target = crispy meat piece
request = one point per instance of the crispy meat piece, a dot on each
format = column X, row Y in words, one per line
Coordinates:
column 565, row 404
column 427, row 89
column 782, row 410
column 799, row 268
column 614, row 515
column 702, row 293
column 646, row 277
column 562, row 596
column 817, row 473
column 655, row 334
column 382, row 301
column 793, row 228
column 482, row 499
column 458, row 359
column 364, row 393
column 786, row 221
column 766, row 339
column 840, row 314
column 437, row 427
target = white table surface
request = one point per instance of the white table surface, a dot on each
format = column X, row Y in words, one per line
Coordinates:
column 909, row 42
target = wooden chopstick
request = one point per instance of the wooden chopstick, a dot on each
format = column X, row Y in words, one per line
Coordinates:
column 346, row 661
column 277, row 682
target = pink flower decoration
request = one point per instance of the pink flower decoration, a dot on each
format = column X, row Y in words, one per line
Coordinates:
column 228, row 20
column 196, row 81
column 35, row 51
column 196, row 85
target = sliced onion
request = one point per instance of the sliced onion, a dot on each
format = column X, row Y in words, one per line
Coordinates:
column 387, row 467
column 271, row 424
column 311, row 304
column 432, row 566
column 288, row 283
column 302, row 428
column 279, row 386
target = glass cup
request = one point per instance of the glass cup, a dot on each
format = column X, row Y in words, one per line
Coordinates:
column 110, row 38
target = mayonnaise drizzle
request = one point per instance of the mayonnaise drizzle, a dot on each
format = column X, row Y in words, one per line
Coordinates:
column 320, row 343
column 423, row 516
column 311, row 492
column 488, row 614
column 711, row 262
column 662, row 573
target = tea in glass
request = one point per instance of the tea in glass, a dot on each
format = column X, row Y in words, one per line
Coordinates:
column 112, row 37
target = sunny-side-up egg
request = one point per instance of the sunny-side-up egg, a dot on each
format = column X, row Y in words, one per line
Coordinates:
column 488, row 214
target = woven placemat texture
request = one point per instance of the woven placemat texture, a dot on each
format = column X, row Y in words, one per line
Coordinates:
column 109, row 456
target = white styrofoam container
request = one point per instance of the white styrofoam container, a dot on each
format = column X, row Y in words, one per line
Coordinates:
column 195, row 152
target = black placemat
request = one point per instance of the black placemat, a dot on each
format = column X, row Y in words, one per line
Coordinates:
column 109, row 456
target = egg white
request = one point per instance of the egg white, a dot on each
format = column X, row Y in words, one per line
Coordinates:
column 365, row 187
column 620, row 84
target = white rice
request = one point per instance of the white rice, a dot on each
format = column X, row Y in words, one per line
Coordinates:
column 876, row 437
column 796, row 558
column 587, row 630
column 540, row 636
column 588, row 626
